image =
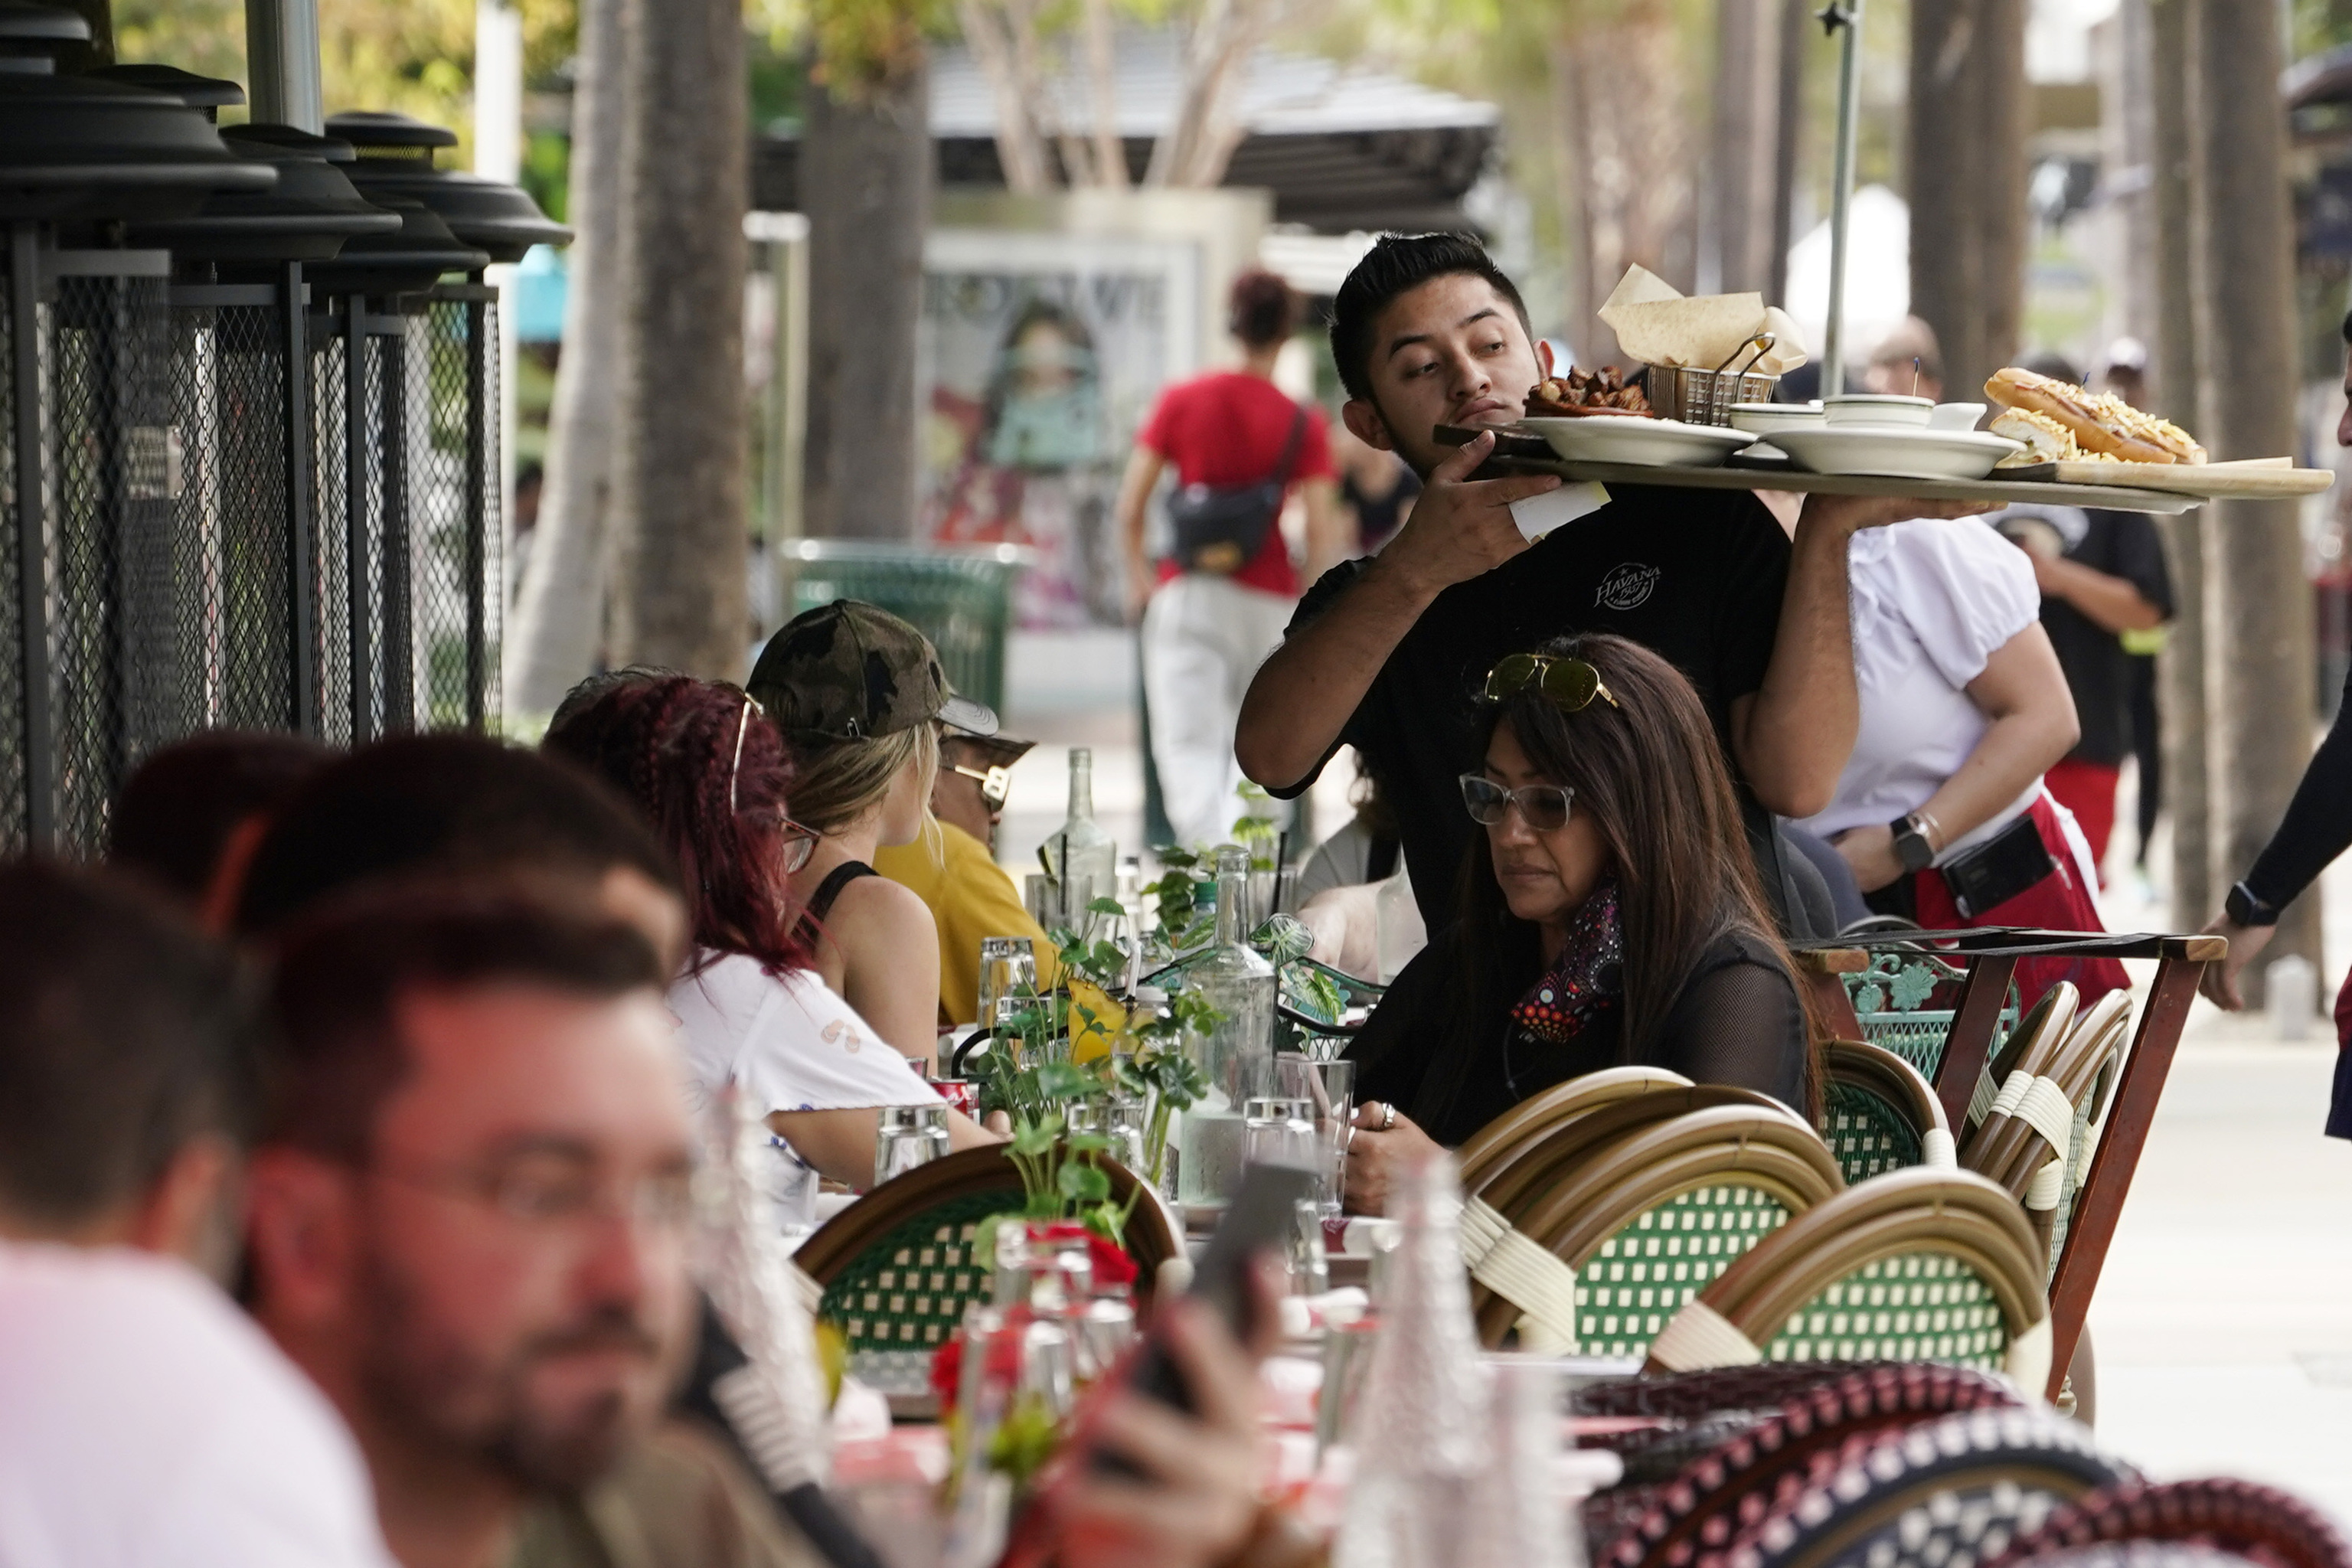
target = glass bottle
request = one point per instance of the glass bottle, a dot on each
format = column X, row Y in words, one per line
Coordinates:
column 1420, row 1429
column 1522, row 1509
column 1237, row 1056
column 1083, row 858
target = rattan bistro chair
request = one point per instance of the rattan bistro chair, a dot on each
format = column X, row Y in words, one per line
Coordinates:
column 897, row 1265
column 2252, row 1522
column 1951, row 1493
column 1912, row 1265
column 1643, row 1224
column 1547, row 1164
column 1879, row 1115
column 1678, row 1518
column 1496, row 1146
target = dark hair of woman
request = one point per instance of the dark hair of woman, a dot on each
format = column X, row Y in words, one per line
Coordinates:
column 1647, row 771
column 1264, row 311
column 709, row 774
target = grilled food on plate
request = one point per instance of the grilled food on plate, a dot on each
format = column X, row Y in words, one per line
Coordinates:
column 1580, row 393
column 2098, row 425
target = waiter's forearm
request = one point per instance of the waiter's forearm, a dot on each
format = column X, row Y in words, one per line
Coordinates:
column 1304, row 694
column 2112, row 604
column 1794, row 736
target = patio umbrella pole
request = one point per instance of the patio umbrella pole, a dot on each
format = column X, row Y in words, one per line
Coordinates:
column 281, row 41
column 1843, row 18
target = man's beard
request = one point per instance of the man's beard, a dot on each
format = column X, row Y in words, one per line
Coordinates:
column 446, row 1394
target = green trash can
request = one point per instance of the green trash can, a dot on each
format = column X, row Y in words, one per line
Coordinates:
column 960, row 596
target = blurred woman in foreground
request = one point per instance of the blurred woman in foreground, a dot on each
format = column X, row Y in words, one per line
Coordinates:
column 1615, row 917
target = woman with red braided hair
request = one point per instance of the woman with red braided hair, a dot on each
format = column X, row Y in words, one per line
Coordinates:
column 709, row 774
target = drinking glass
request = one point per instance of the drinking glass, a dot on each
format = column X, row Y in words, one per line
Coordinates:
column 1279, row 1131
column 1008, row 970
column 909, row 1136
column 1124, row 1123
column 1329, row 1090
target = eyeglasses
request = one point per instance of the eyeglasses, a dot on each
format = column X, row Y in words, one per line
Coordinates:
column 995, row 784
column 1543, row 807
column 799, row 844
column 1571, row 683
column 549, row 1194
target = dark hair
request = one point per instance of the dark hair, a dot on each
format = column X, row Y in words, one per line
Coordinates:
column 174, row 813
column 1261, row 311
column 447, row 804
column 667, row 742
column 1396, row 265
column 124, row 1033
column 343, row 971
column 1648, row 772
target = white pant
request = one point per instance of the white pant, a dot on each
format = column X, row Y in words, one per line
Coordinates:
column 1203, row 638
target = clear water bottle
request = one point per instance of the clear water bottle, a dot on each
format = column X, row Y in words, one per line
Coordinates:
column 1083, row 859
column 1421, row 1425
column 1237, row 1056
column 1523, row 1512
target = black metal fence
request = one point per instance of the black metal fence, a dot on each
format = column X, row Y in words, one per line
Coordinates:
column 233, row 505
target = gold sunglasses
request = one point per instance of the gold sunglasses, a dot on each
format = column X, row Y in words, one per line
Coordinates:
column 1571, row 683
column 995, row 784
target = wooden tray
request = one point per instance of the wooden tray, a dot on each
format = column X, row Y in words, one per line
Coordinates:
column 1530, row 454
column 2251, row 479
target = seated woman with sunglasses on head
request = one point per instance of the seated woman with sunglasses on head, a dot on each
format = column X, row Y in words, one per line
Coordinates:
column 709, row 774
column 1614, row 919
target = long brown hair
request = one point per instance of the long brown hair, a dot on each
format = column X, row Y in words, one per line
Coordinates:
column 1648, row 773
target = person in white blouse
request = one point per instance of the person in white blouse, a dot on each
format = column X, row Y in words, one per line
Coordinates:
column 1941, row 810
column 709, row 774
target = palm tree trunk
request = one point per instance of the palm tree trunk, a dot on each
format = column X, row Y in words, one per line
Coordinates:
column 558, row 618
column 679, row 593
column 2258, row 671
column 865, row 184
column 1968, row 114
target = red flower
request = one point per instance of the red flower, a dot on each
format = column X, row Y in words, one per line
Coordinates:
column 946, row 1370
column 1113, row 1265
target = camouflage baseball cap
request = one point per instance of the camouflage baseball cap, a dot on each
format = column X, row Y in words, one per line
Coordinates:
column 852, row 672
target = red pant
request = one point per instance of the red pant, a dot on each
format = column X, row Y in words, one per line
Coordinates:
column 2088, row 790
column 2057, row 902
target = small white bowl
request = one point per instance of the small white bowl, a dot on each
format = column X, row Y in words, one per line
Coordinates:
column 1763, row 419
column 1956, row 415
column 1879, row 409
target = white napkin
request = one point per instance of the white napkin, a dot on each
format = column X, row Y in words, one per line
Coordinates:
column 1539, row 515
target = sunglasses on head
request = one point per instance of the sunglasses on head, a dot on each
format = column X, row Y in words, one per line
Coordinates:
column 1571, row 683
column 1543, row 807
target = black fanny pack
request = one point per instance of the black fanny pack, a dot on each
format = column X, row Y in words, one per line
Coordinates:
column 1997, row 870
column 1219, row 529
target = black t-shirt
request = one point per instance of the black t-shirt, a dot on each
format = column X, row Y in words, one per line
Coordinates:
column 1736, row 1021
column 1694, row 575
column 2122, row 544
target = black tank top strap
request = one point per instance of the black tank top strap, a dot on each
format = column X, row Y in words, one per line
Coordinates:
column 840, row 876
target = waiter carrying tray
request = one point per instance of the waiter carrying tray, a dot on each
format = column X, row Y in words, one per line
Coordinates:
column 1386, row 654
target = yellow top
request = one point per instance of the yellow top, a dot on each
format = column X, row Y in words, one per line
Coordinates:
column 971, row 897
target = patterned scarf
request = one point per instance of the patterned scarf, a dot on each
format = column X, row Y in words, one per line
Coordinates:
column 1588, row 978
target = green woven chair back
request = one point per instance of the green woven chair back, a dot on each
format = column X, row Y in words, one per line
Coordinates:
column 1650, row 1270
column 1915, row 1306
column 1890, row 1001
column 1867, row 1132
column 907, row 1290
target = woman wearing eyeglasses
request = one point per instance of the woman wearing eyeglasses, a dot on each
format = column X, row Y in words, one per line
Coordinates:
column 709, row 774
column 1614, row 919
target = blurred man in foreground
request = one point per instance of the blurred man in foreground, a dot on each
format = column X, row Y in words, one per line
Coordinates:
column 143, row 1420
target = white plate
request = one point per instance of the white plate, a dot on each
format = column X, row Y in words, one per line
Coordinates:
column 1607, row 438
column 1895, row 452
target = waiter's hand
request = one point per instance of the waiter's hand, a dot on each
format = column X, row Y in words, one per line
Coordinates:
column 1871, row 852
column 1460, row 527
column 1379, row 1151
column 2219, row 981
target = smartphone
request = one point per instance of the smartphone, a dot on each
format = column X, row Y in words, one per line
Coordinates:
column 1262, row 1217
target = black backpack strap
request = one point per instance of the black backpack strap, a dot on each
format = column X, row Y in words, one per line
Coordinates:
column 1283, row 471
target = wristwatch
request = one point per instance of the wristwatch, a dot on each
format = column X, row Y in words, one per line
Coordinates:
column 2245, row 910
column 1911, row 846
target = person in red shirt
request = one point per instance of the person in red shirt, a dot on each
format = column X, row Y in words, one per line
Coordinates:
column 1206, row 629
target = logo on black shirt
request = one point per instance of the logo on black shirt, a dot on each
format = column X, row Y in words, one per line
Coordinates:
column 1626, row 586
